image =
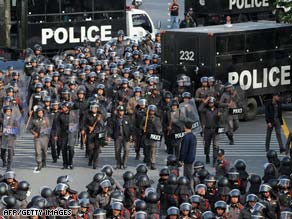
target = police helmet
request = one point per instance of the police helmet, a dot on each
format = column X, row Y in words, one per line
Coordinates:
column 108, row 170
column 186, row 95
column 221, row 205
column 185, row 207
column 251, row 198
column 204, row 79
column 117, row 206
column 208, row 215
column 73, row 204
column 152, row 107
column 195, row 199
column 105, row 184
column 265, row 188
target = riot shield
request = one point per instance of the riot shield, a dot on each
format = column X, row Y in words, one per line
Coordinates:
column 10, row 126
column 16, row 113
column 73, row 127
column 47, row 126
column 189, row 113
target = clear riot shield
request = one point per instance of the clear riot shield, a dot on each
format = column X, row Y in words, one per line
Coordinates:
column 189, row 113
column 73, row 127
column 177, row 124
column 47, row 125
column 16, row 113
column 10, row 126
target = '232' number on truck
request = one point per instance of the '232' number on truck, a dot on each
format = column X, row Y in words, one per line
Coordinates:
column 186, row 55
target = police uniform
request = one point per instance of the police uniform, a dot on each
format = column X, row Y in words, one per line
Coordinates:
column 152, row 128
column 95, row 138
column 230, row 101
column 212, row 117
column 121, row 130
column 40, row 128
column 8, row 124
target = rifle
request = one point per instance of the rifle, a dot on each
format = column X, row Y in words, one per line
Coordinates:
column 146, row 122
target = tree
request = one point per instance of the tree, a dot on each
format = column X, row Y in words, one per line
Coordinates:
column 283, row 11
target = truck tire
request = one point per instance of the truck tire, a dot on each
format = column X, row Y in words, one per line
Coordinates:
column 251, row 109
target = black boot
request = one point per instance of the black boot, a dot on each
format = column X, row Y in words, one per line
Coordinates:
column 153, row 166
column 137, row 156
column 207, row 159
column 44, row 164
column 39, row 167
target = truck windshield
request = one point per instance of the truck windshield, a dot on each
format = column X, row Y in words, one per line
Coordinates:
column 46, row 11
column 141, row 20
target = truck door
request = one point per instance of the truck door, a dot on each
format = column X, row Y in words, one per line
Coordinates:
column 179, row 55
column 139, row 24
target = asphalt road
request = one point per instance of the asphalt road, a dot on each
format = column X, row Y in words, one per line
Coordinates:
column 249, row 145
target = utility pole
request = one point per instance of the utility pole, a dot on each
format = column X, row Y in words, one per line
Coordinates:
column 7, row 23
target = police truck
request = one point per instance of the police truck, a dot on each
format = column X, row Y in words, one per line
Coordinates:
column 255, row 56
column 214, row 12
column 62, row 24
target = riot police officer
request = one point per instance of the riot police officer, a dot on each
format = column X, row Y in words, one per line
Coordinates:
column 212, row 117
column 229, row 101
column 120, row 128
column 152, row 130
column 40, row 128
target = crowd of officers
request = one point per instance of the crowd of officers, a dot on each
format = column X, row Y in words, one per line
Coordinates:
column 114, row 91
column 235, row 194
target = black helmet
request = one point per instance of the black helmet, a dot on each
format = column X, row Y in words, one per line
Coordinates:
column 41, row 203
column 186, row 95
column 141, row 215
column 210, row 178
column 220, row 204
column 152, row 197
column 234, row 193
column 37, row 47
column 222, row 182
column 117, row 196
column 265, row 188
column 63, row 179
column 200, row 186
column 23, row 186
column 8, row 201
column 117, row 206
column 152, row 107
column 73, row 204
column 98, row 177
column 173, row 211
column 81, row 91
column 108, row 170
column 128, row 175
column 174, row 103
column 251, row 198
column 83, row 195
column 172, row 179
column 240, row 165
column 164, row 172
column 286, row 161
column 255, row 179
column 171, row 160
column 99, row 213
column 105, row 184
column 183, row 180
column 3, row 189
column 232, row 174
column 84, row 202
column 140, row 205
column 167, row 94
column 185, row 207
column 143, row 180
column 202, row 174
column 141, row 169
column 199, row 164
column 195, row 199
column 46, row 192
column 271, row 154
column 208, row 215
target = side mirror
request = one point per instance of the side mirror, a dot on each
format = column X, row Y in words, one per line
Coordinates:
column 159, row 25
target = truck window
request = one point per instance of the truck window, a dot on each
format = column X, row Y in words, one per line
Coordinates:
column 260, row 41
column 284, row 38
column 109, row 5
column 141, row 20
column 230, row 44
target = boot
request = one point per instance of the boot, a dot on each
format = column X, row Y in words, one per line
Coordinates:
column 90, row 163
column 4, row 163
column 39, row 167
column 152, row 167
column 207, row 159
column 137, row 156
column 214, row 162
column 44, row 164
column 231, row 142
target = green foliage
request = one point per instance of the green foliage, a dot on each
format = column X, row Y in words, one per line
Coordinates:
column 285, row 17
